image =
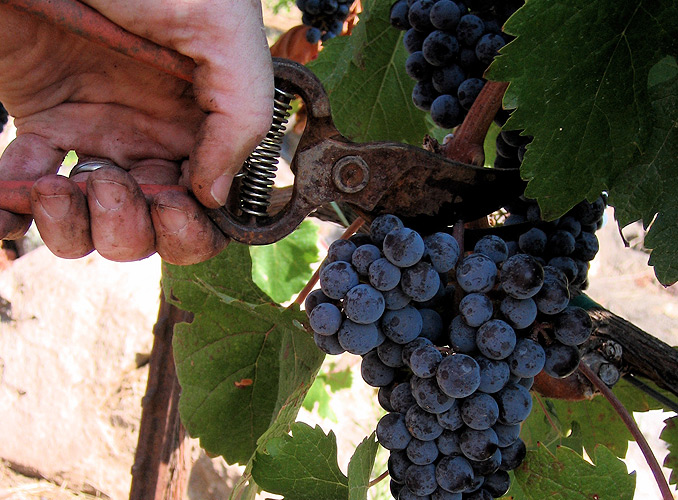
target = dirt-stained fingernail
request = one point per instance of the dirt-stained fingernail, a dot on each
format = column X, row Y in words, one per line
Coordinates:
column 55, row 205
column 109, row 194
column 173, row 219
column 220, row 188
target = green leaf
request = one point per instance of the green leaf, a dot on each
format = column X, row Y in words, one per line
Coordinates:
column 670, row 436
column 360, row 468
column 364, row 75
column 302, row 466
column 325, row 383
column 244, row 363
column 579, row 73
column 584, row 424
column 567, row 476
column 283, row 268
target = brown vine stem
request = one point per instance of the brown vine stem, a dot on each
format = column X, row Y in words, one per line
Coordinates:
column 378, row 479
column 350, row 230
column 467, row 144
column 546, row 413
column 633, row 427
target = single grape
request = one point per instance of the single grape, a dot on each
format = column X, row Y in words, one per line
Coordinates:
column 424, row 361
column 519, row 313
column 428, row 395
column 384, row 397
column 475, row 309
column 413, row 41
column 561, row 360
column 432, row 326
column 413, row 345
column 402, row 325
column 325, row 319
column 421, row 479
column 374, row 372
column 445, row 15
column 497, row 483
column 337, row 278
column 422, row 452
column 392, row 432
column 476, row 273
column 403, row 247
column 454, row 474
column 554, row 295
column 468, row 91
column 478, row 445
column 314, row 298
column 420, row 15
column 493, row 247
column 513, row 455
column 496, row 339
column 384, row 275
column 521, row 276
column 527, row 359
column 417, row 67
column 363, row 256
column 391, row 354
column 469, row 30
column 586, row 246
column 396, row 299
column 560, row 243
column 423, row 95
column 567, row 265
column 488, row 47
column 398, row 464
column 446, row 112
column 341, row 250
column 487, row 467
column 397, row 488
column 329, row 344
column 526, row 382
column 451, row 418
column 399, row 15
column 570, row 224
column 494, row 374
column 462, row 337
column 357, row 338
column 446, row 79
column 479, row 411
column 533, row 241
column 458, row 375
column 420, row 281
column 440, row 48
column 401, row 398
column 382, row 225
column 515, row 404
column 422, row 424
column 364, row 304
column 506, row 434
column 572, row 326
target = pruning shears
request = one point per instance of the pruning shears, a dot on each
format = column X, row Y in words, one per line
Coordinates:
column 373, row 178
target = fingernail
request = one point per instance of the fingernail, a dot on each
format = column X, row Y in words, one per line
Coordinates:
column 220, row 189
column 109, row 194
column 56, row 205
column 173, row 219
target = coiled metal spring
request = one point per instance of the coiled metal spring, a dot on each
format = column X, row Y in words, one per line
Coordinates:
column 261, row 166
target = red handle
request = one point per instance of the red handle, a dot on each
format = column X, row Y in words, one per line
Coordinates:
column 15, row 196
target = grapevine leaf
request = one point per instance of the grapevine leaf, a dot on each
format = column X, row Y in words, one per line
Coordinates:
column 244, row 363
column 583, row 94
column 360, row 468
column 584, row 424
column 364, row 75
column 283, row 268
column 565, row 475
column 670, row 436
column 302, row 466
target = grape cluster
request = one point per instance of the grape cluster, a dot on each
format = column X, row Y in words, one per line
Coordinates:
column 3, row 117
column 451, row 44
column 453, row 343
column 324, row 17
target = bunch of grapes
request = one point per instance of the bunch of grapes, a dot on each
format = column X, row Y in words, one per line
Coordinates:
column 325, row 18
column 3, row 117
column 453, row 343
column 451, row 44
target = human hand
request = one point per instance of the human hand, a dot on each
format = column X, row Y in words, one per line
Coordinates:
column 66, row 93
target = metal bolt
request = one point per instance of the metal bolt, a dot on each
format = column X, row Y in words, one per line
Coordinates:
column 350, row 174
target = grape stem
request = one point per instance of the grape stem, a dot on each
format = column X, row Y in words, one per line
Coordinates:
column 546, row 413
column 633, row 428
column 350, row 230
column 467, row 144
column 378, row 479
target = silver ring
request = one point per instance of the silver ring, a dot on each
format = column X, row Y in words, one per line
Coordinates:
column 90, row 165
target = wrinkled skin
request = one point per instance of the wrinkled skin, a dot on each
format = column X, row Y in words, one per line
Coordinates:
column 66, row 93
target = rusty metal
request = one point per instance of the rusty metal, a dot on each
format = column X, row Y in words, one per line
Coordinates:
column 82, row 20
column 419, row 186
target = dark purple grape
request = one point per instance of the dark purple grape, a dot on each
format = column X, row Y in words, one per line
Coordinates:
column 497, row 483
column 382, row 225
column 572, row 326
column 424, row 361
column 384, row 397
column 533, row 241
column 429, row 396
column 506, row 434
column 445, row 15
column 374, row 372
column 313, row 299
column 458, row 375
column 422, row 452
column 392, row 432
column 468, row 91
column 469, row 30
column 403, row 247
column 442, row 250
column 420, row 281
column 356, row 338
column 397, row 465
column 363, row 304
column 476, row 309
column 391, row 353
column 527, row 359
column 329, row 344
column 488, row 46
column 493, row 247
column 451, row 418
column 448, row 442
column 399, row 15
column 521, row 276
column 454, row 474
column 432, row 326
column 402, row 325
column 446, row 79
column 513, row 455
column 586, row 246
column 478, row 445
column 413, row 40
column 337, row 278
column 396, row 299
column 494, row 374
column 422, row 424
column 561, row 360
column 515, row 404
column 496, row 339
column 519, row 313
column 440, row 48
column 341, row 250
column 363, row 256
column 421, row 479
column 423, row 95
column 401, row 398
column 476, row 273
column 417, row 67
column 420, row 15
column 446, row 111
column 560, row 243
column 479, row 411
column 325, row 319
column 383, row 274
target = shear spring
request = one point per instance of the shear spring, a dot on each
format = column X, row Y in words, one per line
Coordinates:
column 261, row 166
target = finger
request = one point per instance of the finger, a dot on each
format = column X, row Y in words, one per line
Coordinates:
column 28, row 157
column 184, row 233
column 61, row 215
column 119, row 218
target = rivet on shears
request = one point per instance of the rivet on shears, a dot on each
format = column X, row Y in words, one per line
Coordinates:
column 350, row 174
